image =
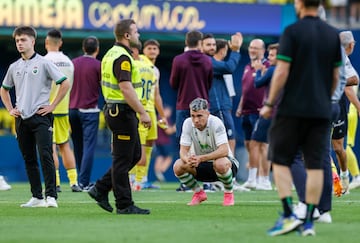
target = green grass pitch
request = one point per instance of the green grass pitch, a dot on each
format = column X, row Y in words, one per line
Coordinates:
column 78, row 219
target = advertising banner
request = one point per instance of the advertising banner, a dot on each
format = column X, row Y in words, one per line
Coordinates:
column 150, row 15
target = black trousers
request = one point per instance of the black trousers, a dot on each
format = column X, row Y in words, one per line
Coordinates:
column 36, row 133
column 126, row 152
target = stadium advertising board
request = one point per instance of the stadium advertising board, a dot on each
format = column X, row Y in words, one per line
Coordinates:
column 150, row 15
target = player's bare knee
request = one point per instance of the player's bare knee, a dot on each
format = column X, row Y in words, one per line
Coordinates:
column 221, row 165
column 180, row 167
column 177, row 166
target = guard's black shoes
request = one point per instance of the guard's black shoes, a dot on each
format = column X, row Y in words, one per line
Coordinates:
column 101, row 199
column 132, row 209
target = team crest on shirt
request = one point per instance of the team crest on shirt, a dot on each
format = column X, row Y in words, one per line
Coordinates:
column 35, row 70
column 125, row 66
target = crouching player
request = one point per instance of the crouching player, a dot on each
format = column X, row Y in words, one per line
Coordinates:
column 210, row 158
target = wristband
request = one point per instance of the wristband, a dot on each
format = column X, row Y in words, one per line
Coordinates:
column 268, row 104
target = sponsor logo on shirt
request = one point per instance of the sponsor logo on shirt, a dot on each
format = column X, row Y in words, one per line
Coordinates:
column 35, row 70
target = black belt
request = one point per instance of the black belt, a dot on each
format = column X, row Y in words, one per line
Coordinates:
column 120, row 106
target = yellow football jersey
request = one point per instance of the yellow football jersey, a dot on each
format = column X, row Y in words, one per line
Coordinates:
column 149, row 80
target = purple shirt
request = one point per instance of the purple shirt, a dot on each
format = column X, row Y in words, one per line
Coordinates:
column 86, row 87
column 191, row 75
column 252, row 98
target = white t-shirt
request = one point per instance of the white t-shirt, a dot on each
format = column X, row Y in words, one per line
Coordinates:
column 349, row 69
column 207, row 140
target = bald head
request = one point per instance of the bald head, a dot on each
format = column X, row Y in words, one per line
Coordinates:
column 258, row 43
column 256, row 49
column 347, row 41
column 346, row 37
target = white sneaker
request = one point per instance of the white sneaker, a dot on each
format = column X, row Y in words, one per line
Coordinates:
column 325, row 218
column 3, row 184
column 51, row 202
column 34, row 203
column 345, row 183
column 355, row 183
column 264, row 185
column 240, row 188
column 300, row 211
column 249, row 184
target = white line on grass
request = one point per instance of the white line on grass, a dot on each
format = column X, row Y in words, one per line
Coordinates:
column 174, row 202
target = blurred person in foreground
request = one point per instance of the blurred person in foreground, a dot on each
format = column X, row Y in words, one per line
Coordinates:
column 307, row 123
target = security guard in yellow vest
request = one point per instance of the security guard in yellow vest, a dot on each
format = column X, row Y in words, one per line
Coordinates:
column 121, row 88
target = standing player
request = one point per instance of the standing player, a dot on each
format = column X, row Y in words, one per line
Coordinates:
column 152, row 98
column 61, row 126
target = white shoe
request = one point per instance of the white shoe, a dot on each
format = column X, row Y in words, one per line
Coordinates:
column 300, row 211
column 345, row 183
column 240, row 188
column 355, row 183
column 325, row 218
column 264, row 185
column 34, row 203
column 249, row 184
column 51, row 202
column 3, row 184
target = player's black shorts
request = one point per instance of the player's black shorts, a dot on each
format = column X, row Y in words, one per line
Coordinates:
column 289, row 134
column 205, row 171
